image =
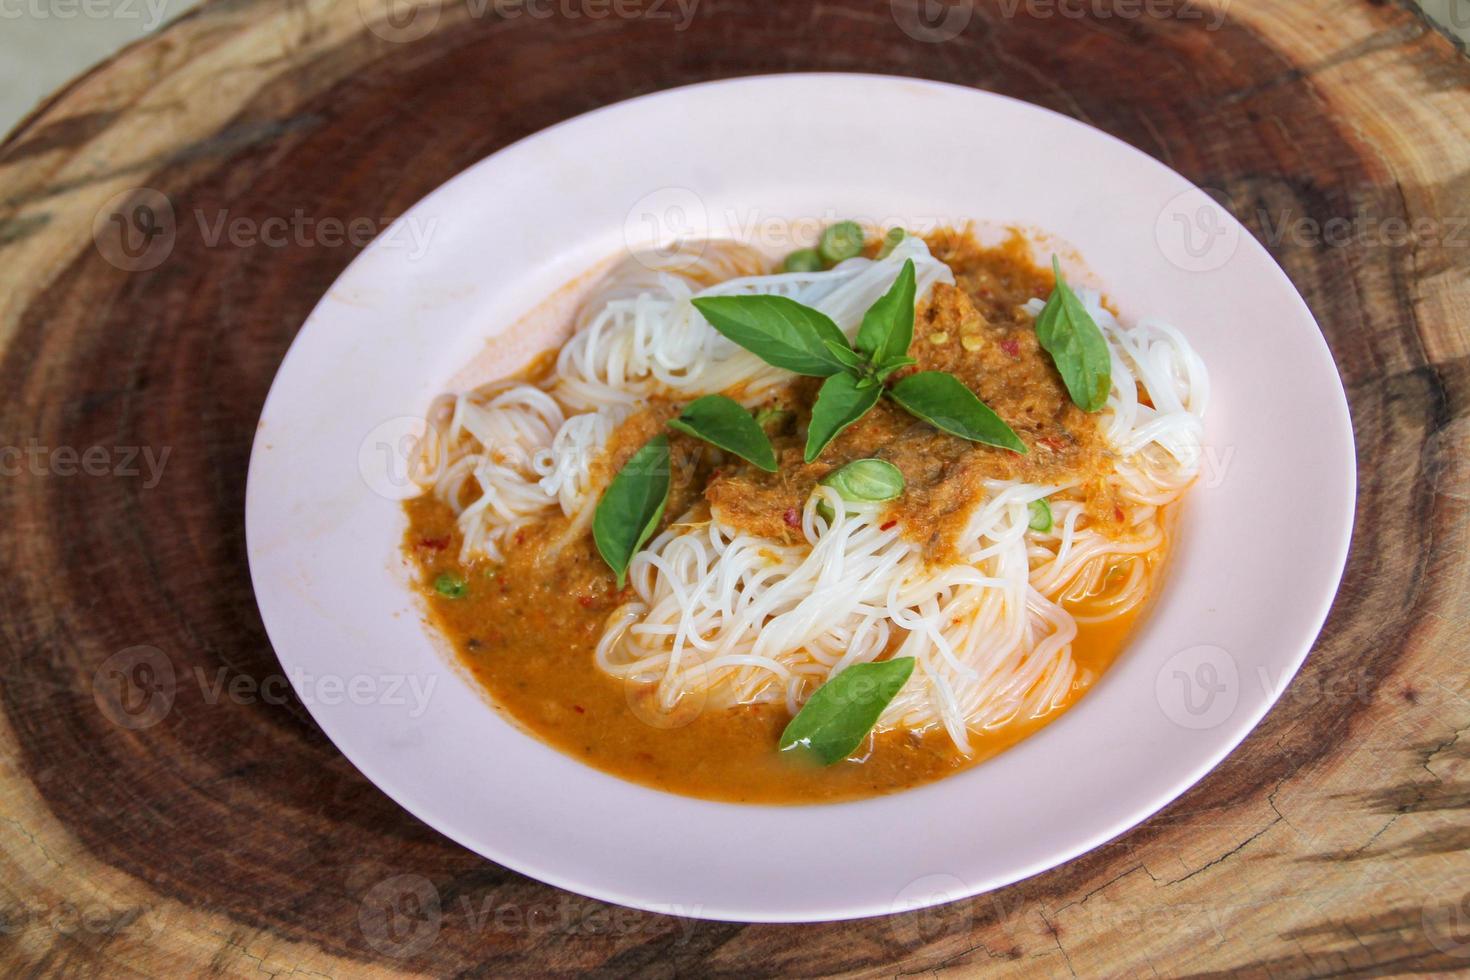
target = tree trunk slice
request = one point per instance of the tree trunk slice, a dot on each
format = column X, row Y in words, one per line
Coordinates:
column 229, row 836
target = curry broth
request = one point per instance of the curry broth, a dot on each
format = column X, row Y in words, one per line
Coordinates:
column 527, row 628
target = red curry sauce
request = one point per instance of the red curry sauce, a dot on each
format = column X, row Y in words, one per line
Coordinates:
column 527, row 628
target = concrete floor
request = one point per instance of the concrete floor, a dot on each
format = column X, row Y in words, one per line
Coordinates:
column 44, row 43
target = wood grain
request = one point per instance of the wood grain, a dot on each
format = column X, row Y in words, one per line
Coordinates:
column 227, row 836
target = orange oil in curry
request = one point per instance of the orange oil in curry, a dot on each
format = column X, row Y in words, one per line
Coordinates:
column 527, row 630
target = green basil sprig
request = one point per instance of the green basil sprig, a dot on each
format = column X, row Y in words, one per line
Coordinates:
column 632, row 506
column 788, row 335
column 721, row 421
column 1068, row 333
column 835, row 720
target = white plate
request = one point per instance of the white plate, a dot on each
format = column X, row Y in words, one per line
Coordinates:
column 1253, row 574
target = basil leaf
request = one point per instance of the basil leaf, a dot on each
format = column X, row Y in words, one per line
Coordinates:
column 721, row 421
column 888, row 326
column 632, row 505
column 946, row 403
column 1038, row 515
column 852, row 361
column 882, row 371
column 778, row 330
column 865, row 480
column 1077, row 347
column 835, row 720
column 841, row 401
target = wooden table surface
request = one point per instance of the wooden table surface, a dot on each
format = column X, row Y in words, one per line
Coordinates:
column 168, row 808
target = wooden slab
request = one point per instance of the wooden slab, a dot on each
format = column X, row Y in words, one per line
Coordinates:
column 167, row 808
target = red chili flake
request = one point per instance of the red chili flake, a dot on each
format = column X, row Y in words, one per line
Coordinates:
column 1118, row 514
column 887, row 526
column 579, row 709
column 1011, row 347
column 792, row 517
column 586, row 601
column 520, row 537
column 434, row 544
column 1053, row 443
